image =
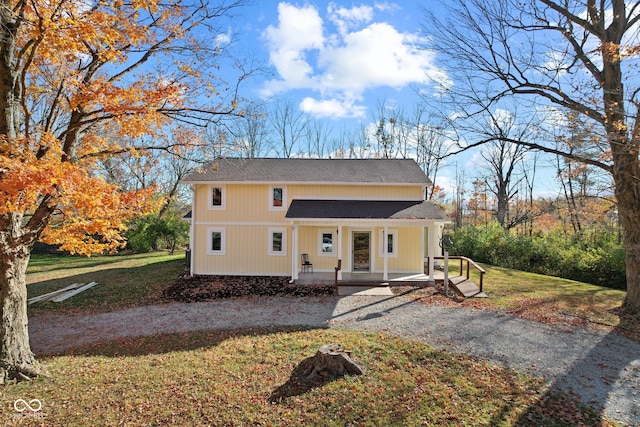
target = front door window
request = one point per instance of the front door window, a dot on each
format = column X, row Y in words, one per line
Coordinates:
column 361, row 251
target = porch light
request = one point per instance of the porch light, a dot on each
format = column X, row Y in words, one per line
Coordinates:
column 446, row 242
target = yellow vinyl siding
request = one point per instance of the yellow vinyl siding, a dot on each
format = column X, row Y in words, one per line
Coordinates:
column 409, row 247
column 250, row 202
column 244, row 203
column 308, row 243
column 246, row 252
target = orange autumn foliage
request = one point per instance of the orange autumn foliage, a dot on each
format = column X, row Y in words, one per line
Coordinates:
column 89, row 88
column 90, row 214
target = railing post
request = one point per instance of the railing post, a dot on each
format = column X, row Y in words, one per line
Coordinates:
column 467, row 269
column 481, row 276
column 335, row 280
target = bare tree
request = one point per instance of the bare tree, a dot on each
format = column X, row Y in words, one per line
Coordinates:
column 249, row 133
column 502, row 158
column 577, row 55
column 386, row 134
column 289, row 123
column 317, row 134
column 429, row 134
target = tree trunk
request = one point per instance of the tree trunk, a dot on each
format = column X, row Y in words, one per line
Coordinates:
column 629, row 211
column 17, row 362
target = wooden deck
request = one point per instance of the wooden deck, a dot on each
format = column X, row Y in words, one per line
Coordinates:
column 458, row 278
column 370, row 279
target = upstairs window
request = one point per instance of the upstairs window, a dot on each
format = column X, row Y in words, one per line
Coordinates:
column 217, row 197
column 277, row 198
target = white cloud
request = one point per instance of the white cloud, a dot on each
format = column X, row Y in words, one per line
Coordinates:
column 377, row 55
column 223, row 39
column 299, row 30
column 385, row 6
column 341, row 66
column 346, row 19
column 332, row 108
column 447, row 183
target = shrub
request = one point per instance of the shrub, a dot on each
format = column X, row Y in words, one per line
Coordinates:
column 593, row 257
column 152, row 233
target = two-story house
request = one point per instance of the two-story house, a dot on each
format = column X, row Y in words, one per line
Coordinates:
column 259, row 216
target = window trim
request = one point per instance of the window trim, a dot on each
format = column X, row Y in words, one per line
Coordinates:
column 272, row 231
column 334, row 242
column 223, row 240
column 272, row 207
column 223, row 189
column 382, row 245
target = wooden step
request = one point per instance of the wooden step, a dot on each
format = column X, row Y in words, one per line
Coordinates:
column 466, row 287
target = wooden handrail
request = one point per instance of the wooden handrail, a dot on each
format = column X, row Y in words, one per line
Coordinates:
column 470, row 262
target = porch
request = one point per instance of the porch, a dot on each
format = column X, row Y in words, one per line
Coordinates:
column 375, row 279
column 374, row 283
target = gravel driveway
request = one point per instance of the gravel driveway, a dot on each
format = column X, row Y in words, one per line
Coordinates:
column 602, row 369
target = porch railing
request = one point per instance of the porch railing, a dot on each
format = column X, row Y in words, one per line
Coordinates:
column 469, row 263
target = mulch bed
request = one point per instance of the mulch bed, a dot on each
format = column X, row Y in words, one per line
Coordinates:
column 206, row 288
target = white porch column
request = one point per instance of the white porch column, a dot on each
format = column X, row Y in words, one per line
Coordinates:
column 385, row 252
column 294, row 252
column 433, row 237
column 340, row 250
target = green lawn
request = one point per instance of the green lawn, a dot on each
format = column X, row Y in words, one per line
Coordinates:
column 135, row 280
column 123, row 280
column 242, row 378
column 554, row 300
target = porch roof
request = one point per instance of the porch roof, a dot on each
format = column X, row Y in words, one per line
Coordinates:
column 365, row 209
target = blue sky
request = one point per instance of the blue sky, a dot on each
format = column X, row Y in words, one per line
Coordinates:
column 338, row 61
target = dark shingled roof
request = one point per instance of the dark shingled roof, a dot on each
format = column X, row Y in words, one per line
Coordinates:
column 391, row 171
column 364, row 209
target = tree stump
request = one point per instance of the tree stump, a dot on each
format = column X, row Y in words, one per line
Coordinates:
column 330, row 362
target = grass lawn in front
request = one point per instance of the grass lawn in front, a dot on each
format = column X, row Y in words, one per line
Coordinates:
column 242, row 378
column 545, row 299
column 131, row 280
column 124, row 280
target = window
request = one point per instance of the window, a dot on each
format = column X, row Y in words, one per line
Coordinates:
column 277, row 198
column 217, row 241
column 217, row 197
column 327, row 242
column 277, row 242
column 389, row 244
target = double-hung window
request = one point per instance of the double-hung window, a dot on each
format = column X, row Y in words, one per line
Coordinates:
column 327, row 242
column 277, row 198
column 217, row 197
column 277, row 242
column 388, row 244
column 216, row 241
